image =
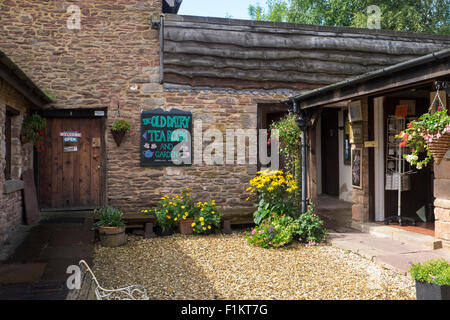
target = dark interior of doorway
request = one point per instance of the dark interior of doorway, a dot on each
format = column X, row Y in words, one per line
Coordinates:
column 420, row 193
column 330, row 151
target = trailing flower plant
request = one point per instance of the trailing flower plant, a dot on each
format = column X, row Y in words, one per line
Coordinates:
column 420, row 133
column 33, row 129
column 275, row 192
column 289, row 135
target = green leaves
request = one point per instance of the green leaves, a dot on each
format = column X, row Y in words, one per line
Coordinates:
column 121, row 125
column 109, row 217
column 429, row 16
column 433, row 271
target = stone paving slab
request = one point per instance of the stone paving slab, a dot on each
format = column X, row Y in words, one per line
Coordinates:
column 389, row 253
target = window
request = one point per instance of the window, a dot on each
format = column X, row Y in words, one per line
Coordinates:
column 10, row 113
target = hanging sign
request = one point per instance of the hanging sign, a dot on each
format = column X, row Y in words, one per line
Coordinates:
column 70, row 134
column 71, row 149
column 70, row 139
column 166, row 137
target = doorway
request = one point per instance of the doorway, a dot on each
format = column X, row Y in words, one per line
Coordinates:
column 71, row 165
column 330, row 151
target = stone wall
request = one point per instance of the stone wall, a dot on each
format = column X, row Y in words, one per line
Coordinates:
column 224, row 183
column 112, row 62
column 442, row 201
column 11, row 204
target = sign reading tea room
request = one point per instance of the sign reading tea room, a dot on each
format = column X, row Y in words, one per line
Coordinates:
column 166, row 137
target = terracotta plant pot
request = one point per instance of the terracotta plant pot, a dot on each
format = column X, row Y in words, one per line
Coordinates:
column 439, row 147
column 118, row 136
column 186, row 226
column 112, row 236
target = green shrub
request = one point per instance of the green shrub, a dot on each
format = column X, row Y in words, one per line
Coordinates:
column 109, row 217
column 433, row 271
column 310, row 227
column 274, row 232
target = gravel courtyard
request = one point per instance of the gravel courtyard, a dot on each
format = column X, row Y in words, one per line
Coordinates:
column 224, row 267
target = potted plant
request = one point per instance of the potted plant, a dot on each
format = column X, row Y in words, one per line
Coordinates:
column 33, row 129
column 206, row 217
column 184, row 208
column 432, row 279
column 165, row 215
column 429, row 134
column 110, row 226
column 119, row 129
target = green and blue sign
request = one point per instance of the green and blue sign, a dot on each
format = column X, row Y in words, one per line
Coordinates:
column 166, row 137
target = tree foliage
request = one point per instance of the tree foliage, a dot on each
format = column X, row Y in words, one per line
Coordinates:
column 428, row 16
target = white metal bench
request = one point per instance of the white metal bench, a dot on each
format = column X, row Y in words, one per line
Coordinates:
column 133, row 292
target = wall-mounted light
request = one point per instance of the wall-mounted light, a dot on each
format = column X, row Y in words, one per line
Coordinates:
column 156, row 21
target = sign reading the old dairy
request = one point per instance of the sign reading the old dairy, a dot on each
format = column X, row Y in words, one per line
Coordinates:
column 166, row 137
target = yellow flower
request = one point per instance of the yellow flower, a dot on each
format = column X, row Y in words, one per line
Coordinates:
column 186, row 213
column 247, row 198
column 249, row 188
column 209, row 227
column 182, row 207
column 212, row 212
column 193, row 224
column 202, row 209
column 175, row 219
column 188, row 189
column 202, row 223
column 201, row 219
column 204, row 228
column 164, row 204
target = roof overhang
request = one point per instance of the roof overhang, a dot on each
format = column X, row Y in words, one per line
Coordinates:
column 16, row 78
column 425, row 69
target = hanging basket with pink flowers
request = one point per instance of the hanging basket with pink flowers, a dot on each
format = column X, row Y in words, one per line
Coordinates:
column 429, row 134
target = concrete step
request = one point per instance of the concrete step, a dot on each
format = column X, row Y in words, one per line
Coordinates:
column 398, row 234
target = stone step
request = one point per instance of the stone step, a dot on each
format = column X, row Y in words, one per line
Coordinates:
column 399, row 234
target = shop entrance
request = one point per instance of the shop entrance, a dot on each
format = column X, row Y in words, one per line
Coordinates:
column 417, row 198
column 70, row 167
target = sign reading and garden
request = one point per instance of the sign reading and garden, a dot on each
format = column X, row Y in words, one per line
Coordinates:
column 166, row 137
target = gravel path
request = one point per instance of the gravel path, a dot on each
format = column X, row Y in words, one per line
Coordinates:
column 224, row 267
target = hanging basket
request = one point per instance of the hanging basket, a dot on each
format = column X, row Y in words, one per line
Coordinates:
column 439, row 147
column 118, row 136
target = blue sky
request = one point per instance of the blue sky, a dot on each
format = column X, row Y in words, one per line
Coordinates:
column 238, row 9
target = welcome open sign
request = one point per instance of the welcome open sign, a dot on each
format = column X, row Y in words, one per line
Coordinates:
column 161, row 133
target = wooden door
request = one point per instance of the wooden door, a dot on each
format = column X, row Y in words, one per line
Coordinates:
column 330, row 152
column 70, row 172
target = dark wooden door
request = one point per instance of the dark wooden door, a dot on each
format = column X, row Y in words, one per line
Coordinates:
column 70, row 173
column 330, row 152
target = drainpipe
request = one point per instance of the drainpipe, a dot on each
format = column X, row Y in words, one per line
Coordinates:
column 303, row 122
